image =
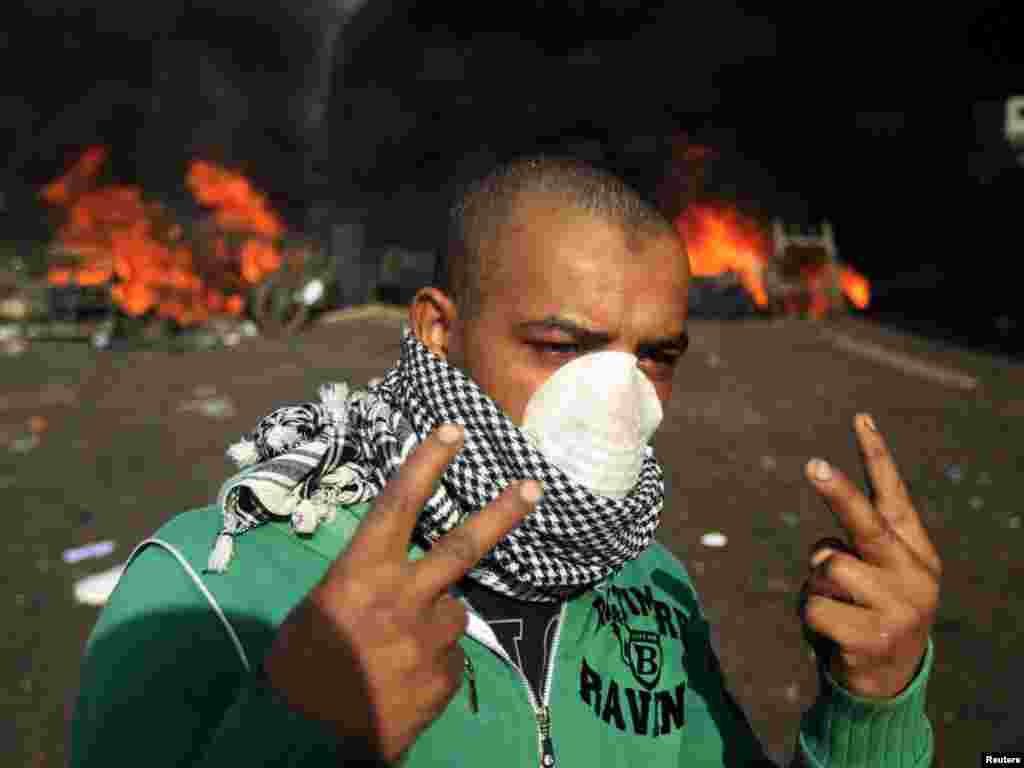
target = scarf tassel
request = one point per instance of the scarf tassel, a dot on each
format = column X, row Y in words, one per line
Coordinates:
column 221, row 554
column 244, row 453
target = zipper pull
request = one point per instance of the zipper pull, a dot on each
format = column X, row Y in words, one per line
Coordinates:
column 547, row 748
column 474, row 704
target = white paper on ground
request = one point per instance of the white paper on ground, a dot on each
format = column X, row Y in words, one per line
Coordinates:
column 96, row 589
column 714, row 539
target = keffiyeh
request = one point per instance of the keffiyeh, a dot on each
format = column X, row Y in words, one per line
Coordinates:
column 302, row 461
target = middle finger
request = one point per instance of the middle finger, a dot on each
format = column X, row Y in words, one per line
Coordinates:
column 458, row 551
column 870, row 533
column 842, row 576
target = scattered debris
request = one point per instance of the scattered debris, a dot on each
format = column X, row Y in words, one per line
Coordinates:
column 220, row 408
column 88, row 551
column 103, row 335
column 25, row 444
column 713, row 539
column 768, row 463
column 790, row 519
column 1014, row 522
column 96, row 589
column 793, row 692
column 713, row 360
column 37, row 425
column 14, row 308
column 902, row 362
column 12, row 340
column 311, row 293
column 13, row 347
column 204, row 390
column 976, row 502
column 954, row 473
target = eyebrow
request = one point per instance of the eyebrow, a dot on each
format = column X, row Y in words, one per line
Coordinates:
column 590, row 337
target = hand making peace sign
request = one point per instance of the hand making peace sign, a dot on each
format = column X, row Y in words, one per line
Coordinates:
column 875, row 596
column 373, row 649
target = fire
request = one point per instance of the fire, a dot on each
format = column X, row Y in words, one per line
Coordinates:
column 238, row 206
column 719, row 240
column 856, row 287
column 115, row 237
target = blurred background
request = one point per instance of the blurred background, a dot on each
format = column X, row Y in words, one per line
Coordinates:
column 183, row 178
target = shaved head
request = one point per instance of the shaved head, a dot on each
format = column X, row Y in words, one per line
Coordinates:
column 548, row 260
column 471, row 262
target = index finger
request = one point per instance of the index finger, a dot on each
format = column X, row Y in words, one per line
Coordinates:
column 388, row 526
column 462, row 548
column 892, row 499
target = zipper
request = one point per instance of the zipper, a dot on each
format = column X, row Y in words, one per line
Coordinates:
column 474, row 702
column 542, row 709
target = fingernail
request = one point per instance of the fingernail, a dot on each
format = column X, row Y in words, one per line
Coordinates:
column 820, row 470
column 449, row 433
column 869, row 422
column 819, row 557
column 530, row 492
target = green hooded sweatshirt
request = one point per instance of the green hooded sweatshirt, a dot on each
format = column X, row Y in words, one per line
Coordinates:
column 171, row 675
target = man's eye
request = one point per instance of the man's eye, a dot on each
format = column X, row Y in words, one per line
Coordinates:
column 563, row 348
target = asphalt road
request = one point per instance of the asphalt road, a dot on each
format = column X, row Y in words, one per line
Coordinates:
column 132, row 438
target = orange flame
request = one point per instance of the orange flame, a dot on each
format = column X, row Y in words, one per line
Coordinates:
column 856, row 287
column 239, row 207
column 720, row 240
column 117, row 238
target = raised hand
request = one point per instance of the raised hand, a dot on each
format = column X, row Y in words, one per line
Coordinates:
column 875, row 596
column 373, row 648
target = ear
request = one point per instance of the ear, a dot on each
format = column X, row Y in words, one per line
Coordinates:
column 433, row 318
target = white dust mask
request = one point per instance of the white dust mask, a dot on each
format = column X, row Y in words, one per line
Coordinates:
column 593, row 419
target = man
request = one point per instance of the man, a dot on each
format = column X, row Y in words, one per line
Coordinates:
column 431, row 603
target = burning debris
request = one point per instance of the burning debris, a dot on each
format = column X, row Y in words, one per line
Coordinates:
column 116, row 249
column 804, row 275
column 741, row 266
column 732, row 259
column 141, row 252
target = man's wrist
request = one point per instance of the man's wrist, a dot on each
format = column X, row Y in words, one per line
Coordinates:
column 888, row 732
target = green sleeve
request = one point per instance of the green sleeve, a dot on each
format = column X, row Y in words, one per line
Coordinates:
column 163, row 685
column 842, row 730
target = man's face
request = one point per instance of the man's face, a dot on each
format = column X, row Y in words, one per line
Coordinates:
column 567, row 283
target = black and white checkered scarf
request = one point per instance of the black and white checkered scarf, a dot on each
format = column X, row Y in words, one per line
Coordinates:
column 301, row 461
